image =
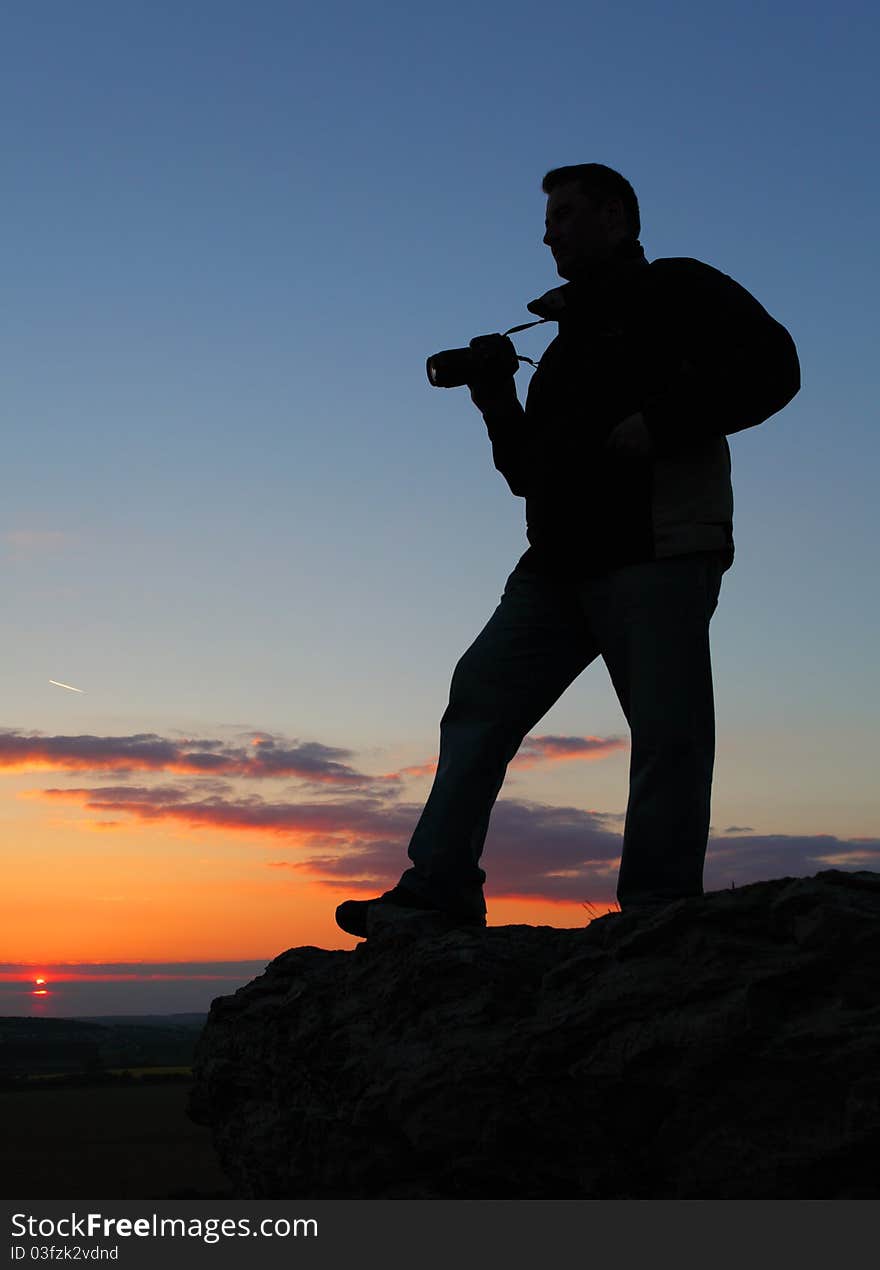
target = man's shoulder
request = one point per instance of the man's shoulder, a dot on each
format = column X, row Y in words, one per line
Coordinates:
column 692, row 285
column 695, row 289
column 683, row 269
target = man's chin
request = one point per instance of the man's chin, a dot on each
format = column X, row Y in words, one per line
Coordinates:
column 576, row 269
column 571, row 268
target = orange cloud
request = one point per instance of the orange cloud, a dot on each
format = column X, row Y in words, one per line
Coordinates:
column 420, row 769
column 265, row 757
column 562, row 749
column 533, row 850
column 539, row 749
column 360, row 818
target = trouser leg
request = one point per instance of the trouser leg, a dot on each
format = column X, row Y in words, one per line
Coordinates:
column 653, row 628
column 534, row 645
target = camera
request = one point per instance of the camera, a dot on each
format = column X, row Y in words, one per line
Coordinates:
column 487, row 358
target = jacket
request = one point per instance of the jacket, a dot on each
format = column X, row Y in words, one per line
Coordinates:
column 701, row 359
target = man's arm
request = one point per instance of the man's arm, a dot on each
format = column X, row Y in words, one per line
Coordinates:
column 738, row 365
column 505, row 420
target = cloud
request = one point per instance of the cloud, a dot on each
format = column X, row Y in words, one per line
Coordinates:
column 416, row 771
column 554, row 852
column 567, row 855
column 743, row 860
column 353, row 819
column 263, row 756
column 145, row 752
column 560, row 749
column 347, row 829
column 533, row 850
column 536, row 750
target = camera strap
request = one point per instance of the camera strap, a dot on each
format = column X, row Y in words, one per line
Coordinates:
column 525, row 326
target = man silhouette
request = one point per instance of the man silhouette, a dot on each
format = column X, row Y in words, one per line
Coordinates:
column 622, row 457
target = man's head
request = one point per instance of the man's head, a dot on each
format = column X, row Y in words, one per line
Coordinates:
column 590, row 209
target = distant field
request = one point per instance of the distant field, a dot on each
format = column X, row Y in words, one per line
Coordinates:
column 117, row 1071
column 128, row 1141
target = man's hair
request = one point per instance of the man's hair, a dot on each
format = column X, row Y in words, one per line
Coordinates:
column 599, row 184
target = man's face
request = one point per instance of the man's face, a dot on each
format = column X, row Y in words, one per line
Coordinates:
column 578, row 234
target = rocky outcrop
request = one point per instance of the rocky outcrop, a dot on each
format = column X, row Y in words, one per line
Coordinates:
column 724, row 1047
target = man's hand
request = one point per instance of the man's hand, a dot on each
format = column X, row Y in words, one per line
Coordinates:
column 495, row 397
column 493, row 391
column 630, row 439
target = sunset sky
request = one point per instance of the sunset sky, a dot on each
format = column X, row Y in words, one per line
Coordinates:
column 240, row 521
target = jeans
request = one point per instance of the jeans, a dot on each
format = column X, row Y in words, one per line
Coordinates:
column 650, row 624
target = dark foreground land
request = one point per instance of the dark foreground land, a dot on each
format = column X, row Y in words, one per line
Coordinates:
column 96, row 1109
column 130, row 1140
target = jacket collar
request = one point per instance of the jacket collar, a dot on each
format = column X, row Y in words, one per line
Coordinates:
column 573, row 298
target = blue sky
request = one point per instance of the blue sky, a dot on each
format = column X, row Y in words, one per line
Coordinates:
column 234, row 232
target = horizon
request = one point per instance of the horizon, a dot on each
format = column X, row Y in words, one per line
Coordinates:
column 107, row 989
column 244, row 541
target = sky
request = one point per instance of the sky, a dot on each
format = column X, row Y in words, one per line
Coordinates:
column 240, row 521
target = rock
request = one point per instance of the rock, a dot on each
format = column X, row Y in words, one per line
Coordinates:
column 726, row 1047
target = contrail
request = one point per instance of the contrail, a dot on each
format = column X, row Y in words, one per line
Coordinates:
column 67, row 686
